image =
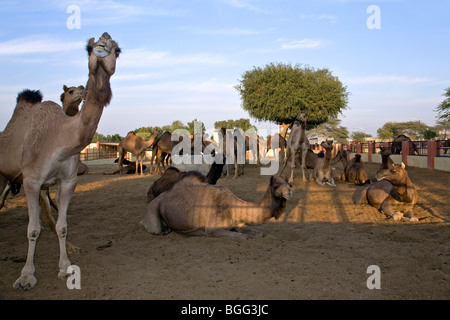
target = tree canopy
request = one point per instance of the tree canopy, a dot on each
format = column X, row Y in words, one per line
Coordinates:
column 279, row 92
column 443, row 108
column 242, row 123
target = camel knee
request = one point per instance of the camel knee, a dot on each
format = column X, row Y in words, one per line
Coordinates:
column 33, row 233
column 61, row 231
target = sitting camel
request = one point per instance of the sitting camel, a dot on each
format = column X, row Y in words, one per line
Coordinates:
column 297, row 143
column 354, row 172
column 195, row 208
column 171, row 175
column 322, row 168
column 393, row 194
column 386, row 161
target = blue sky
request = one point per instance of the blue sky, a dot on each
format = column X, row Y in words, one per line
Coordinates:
column 181, row 59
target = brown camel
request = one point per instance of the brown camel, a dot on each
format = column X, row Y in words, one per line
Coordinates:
column 162, row 148
column 40, row 141
column 386, row 161
column 297, row 143
column 354, row 172
column 137, row 146
column 322, row 168
column 393, row 194
column 195, row 208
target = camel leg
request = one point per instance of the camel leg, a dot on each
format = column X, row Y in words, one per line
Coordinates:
column 222, row 233
column 45, row 202
column 286, row 159
column 5, row 194
column 304, row 168
column 152, row 220
column 27, row 280
column 67, row 187
column 387, row 209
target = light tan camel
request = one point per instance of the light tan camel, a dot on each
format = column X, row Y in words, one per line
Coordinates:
column 195, row 208
column 137, row 146
column 297, row 143
column 394, row 194
column 322, row 168
column 355, row 172
column 39, row 143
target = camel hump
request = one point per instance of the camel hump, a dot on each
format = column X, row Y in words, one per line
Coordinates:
column 30, row 96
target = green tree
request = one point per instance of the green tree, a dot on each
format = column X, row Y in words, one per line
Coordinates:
column 242, row 123
column 279, row 92
column 191, row 126
column 358, row 136
column 443, row 108
column 332, row 129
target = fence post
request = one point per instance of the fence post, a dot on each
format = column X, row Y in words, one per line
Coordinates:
column 370, row 151
column 359, row 148
column 432, row 152
column 405, row 151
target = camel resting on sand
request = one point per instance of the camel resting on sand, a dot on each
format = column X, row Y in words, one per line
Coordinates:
column 393, row 194
column 354, row 171
column 196, row 208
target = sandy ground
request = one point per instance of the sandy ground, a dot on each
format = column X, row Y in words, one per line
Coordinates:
column 320, row 248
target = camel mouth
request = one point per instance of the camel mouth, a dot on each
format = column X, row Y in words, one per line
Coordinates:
column 101, row 50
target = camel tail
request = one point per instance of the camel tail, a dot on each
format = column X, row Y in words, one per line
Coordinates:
column 30, row 96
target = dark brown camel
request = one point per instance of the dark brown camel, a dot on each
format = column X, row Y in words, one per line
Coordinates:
column 396, row 147
column 394, row 194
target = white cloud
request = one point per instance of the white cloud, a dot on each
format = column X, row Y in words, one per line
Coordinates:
column 36, row 45
column 300, row 44
column 320, row 17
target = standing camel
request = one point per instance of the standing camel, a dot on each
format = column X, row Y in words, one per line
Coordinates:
column 136, row 145
column 39, row 143
column 297, row 142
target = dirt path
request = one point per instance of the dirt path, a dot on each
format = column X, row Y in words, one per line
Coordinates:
column 320, row 249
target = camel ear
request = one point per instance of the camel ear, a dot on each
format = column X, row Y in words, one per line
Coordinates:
column 272, row 179
column 65, row 88
column 403, row 165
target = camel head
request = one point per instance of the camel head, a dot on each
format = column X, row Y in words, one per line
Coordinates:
column 396, row 174
column 328, row 145
column 71, row 99
column 102, row 54
column 384, row 151
column 281, row 191
column 302, row 117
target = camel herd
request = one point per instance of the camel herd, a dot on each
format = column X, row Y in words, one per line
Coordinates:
column 43, row 142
